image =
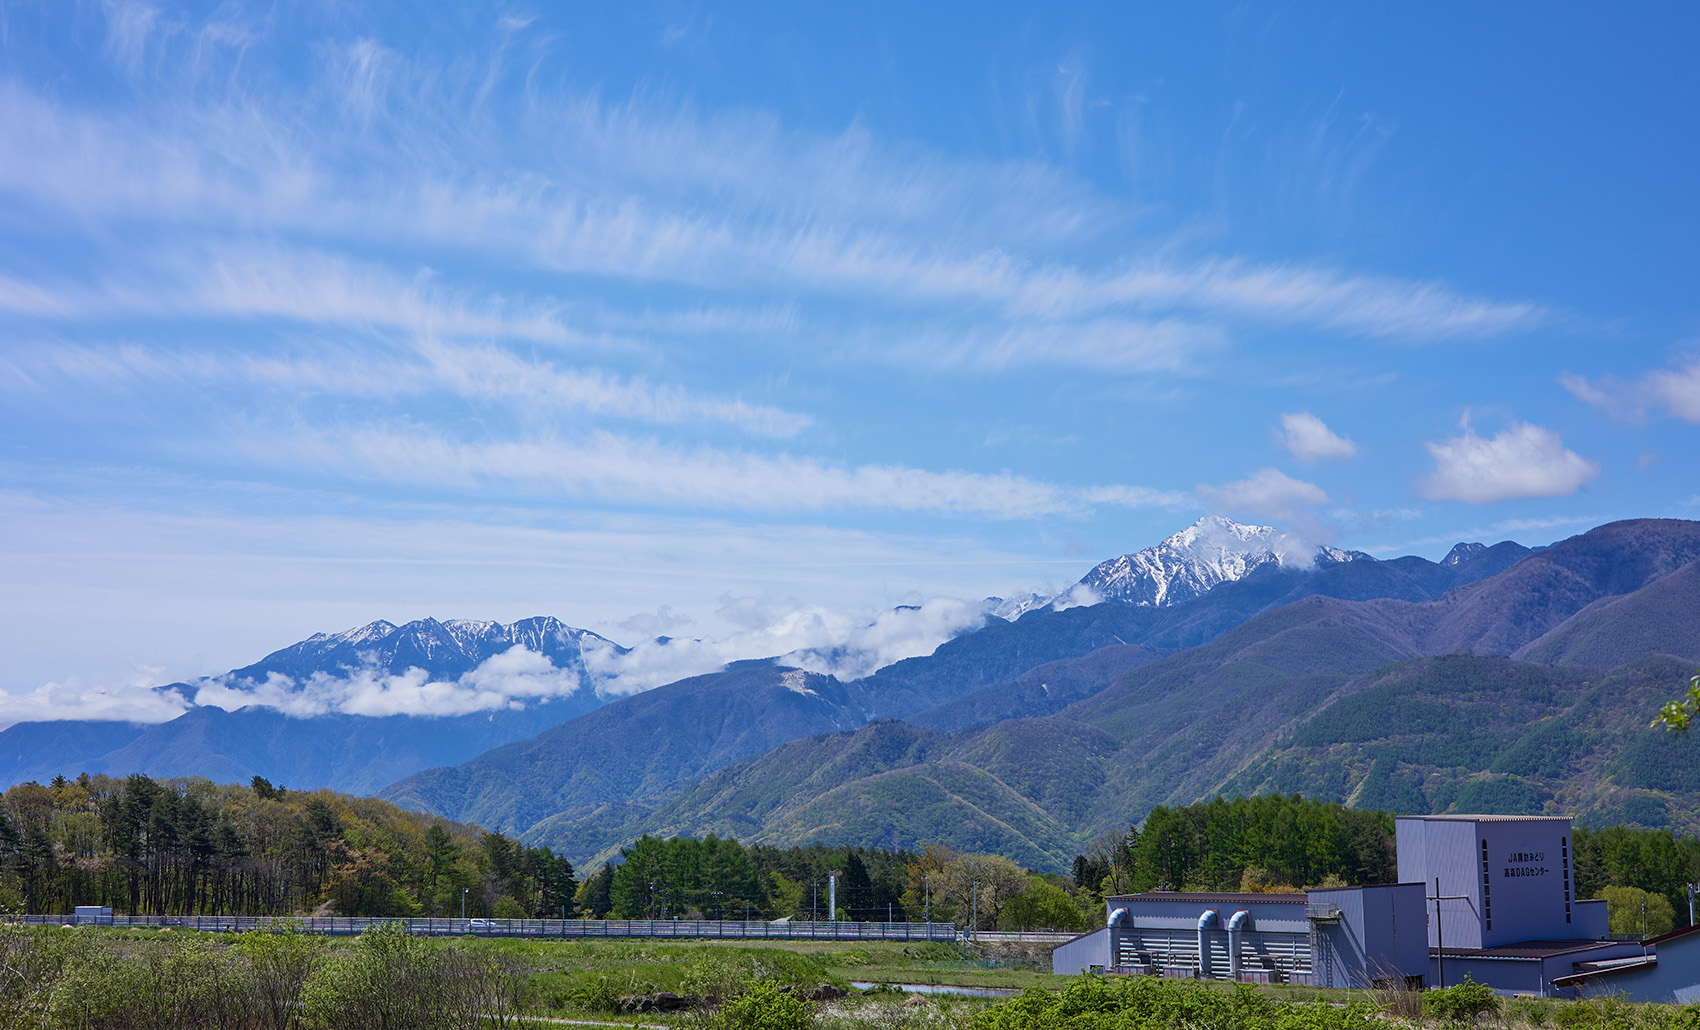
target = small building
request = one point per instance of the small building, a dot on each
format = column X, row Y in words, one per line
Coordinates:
column 1336, row 937
column 1664, row 969
column 98, row 915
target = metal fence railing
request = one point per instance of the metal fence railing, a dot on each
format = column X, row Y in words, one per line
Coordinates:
column 566, row 929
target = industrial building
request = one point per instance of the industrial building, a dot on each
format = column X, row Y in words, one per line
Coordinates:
column 1488, row 897
column 1666, row 970
column 1339, row 937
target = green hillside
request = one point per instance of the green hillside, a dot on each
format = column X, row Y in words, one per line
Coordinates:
column 1662, row 617
column 1475, row 733
column 1414, row 706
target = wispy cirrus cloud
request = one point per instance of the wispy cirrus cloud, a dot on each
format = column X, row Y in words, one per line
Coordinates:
column 312, row 287
column 609, row 467
column 1110, row 344
column 472, row 372
column 1676, row 389
column 842, row 215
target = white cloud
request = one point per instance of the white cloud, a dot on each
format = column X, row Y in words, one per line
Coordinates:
column 907, row 632
column 1134, row 497
column 1109, row 344
column 623, row 191
column 479, row 373
column 1266, row 493
column 1285, row 294
column 1522, row 461
column 128, row 702
column 1310, row 439
column 848, row 645
column 1679, row 389
column 1078, row 596
column 610, row 467
column 245, row 570
column 128, row 26
column 511, row 679
column 1676, row 389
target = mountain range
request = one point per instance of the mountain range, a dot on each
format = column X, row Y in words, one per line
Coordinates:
column 299, row 738
column 1031, row 753
column 1227, row 658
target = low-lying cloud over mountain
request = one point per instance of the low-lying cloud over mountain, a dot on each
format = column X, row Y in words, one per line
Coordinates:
column 506, row 680
column 460, row 666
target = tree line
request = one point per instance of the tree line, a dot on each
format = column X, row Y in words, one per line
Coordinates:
column 1278, row 843
column 192, row 847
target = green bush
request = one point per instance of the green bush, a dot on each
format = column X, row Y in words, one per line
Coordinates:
column 764, row 1006
column 1152, row 1003
column 279, row 959
column 391, row 981
column 1461, row 1003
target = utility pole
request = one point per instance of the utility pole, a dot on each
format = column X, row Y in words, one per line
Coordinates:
column 1439, row 938
column 832, row 896
column 716, row 903
column 977, row 910
column 463, row 891
column 814, row 903
column 1693, row 890
column 927, row 887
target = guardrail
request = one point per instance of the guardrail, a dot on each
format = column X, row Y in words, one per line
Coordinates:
column 564, row 929
column 1022, row 937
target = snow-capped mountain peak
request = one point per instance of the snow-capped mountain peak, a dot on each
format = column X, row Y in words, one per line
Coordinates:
column 1209, row 552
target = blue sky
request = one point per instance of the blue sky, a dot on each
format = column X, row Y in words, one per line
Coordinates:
column 748, row 322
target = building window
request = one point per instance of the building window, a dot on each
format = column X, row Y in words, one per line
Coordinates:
column 1564, row 858
column 1487, row 888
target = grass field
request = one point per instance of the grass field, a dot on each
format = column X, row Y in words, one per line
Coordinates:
column 549, row 982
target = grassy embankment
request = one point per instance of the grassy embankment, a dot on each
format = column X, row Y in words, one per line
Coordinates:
column 177, row 979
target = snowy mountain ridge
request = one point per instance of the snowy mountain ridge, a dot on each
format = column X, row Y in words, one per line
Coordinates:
column 1211, row 551
column 444, row 650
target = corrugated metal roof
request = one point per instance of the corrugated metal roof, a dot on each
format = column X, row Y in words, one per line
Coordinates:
column 1589, row 974
column 1528, row 949
column 1489, row 818
column 1674, row 934
column 1213, row 899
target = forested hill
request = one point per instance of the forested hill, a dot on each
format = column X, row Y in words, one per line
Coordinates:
column 193, row 847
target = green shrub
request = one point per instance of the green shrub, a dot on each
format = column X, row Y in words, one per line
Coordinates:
column 167, row 983
column 763, row 1006
column 1153, row 1003
column 1462, row 1003
column 279, row 960
column 391, row 981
